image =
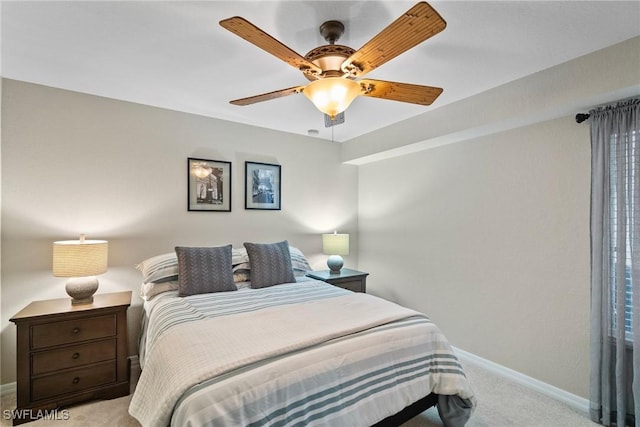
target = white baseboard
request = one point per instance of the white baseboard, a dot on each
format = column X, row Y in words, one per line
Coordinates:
column 7, row 388
column 576, row 402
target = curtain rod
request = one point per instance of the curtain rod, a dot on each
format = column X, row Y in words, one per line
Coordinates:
column 581, row 117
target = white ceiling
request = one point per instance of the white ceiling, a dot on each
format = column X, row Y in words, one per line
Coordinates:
column 175, row 55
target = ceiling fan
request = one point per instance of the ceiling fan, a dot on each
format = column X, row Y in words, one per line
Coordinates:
column 336, row 71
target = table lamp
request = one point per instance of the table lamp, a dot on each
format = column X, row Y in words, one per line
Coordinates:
column 80, row 260
column 335, row 245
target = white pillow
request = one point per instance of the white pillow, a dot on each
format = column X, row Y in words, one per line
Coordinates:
column 159, row 268
column 151, row 289
column 239, row 256
column 299, row 262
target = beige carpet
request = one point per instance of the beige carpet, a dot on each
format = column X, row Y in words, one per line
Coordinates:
column 500, row 403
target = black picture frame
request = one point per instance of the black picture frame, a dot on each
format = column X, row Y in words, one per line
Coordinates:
column 209, row 185
column 263, row 186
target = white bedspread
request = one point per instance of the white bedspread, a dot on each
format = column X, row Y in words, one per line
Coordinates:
column 191, row 353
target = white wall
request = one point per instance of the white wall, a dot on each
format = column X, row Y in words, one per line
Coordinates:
column 490, row 238
column 74, row 163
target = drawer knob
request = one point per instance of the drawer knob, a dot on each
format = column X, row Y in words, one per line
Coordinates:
column 76, row 380
column 75, row 330
column 76, row 355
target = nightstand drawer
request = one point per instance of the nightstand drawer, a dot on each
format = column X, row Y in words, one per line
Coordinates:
column 70, row 357
column 352, row 280
column 73, row 380
column 71, row 331
column 353, row 285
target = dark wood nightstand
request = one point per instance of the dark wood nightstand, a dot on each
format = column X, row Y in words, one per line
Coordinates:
column 353, row 280
column 68, row 354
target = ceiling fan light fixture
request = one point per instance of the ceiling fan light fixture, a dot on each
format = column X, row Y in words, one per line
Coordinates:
column 332, row 69
column 332, row 95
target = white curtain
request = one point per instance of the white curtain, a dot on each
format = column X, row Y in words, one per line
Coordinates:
column 615, row 264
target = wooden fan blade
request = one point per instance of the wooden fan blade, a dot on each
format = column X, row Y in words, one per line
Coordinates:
column 404, row 92
column 267, row 96
column 245, row 29
column 415, row 26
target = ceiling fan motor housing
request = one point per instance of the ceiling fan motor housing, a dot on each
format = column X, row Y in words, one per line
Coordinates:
column 330, row 58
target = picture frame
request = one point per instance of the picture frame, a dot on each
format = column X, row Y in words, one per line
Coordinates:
column 262, row 189
column 209, row 185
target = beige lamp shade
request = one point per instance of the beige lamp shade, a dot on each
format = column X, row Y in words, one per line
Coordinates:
column 335, row 245
column 80, row 260
column 332, row 95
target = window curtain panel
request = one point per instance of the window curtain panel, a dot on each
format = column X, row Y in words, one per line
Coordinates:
column 615, row 264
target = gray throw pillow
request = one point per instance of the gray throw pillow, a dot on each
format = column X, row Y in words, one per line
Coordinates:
column 204, row 270
column 270, row 264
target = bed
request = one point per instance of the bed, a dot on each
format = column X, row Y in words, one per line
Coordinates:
column 296, row 352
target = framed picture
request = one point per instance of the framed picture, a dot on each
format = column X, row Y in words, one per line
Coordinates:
column 262, row 186
column 209, row 185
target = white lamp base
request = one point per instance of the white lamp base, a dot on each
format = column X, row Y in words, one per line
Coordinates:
column 335, row 263
column 81, row 289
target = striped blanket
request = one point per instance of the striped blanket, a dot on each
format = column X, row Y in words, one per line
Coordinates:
column 293, row 354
